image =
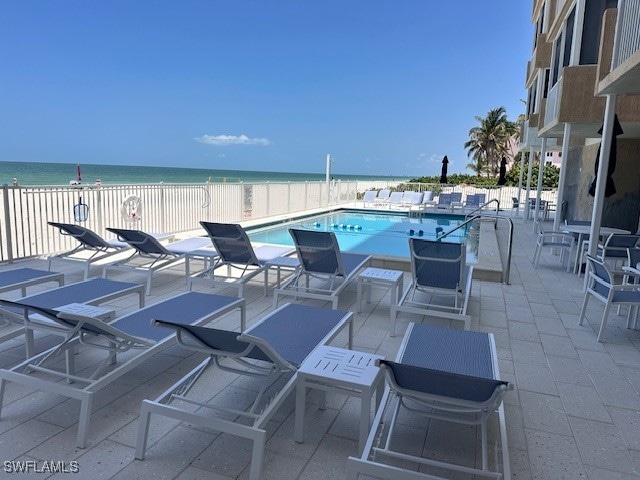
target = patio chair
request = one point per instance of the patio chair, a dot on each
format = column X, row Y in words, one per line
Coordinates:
column 321, row 261
column 444, row 375
column 238, row 262
column 554, row 240
column 601, row 285
column 92, row 247
column 440, row 284
column 614, row 249
column 149, row 254
column 21, row 279
column 369, row 198
column 94, row 291
column 132, row 338
column 272, row 349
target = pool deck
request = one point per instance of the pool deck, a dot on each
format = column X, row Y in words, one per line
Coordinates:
column 575, row 412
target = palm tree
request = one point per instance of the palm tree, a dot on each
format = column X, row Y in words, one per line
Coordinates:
column 489, row 141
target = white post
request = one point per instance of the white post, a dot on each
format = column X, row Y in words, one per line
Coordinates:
column 566, row 138
column 543, row 152
column 603, row 168
column 522, row 154
column 527, row 193
column 328, row 178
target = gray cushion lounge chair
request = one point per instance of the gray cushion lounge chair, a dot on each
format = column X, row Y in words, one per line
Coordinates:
column 131, row 337
column 238, row 262
column 324, row 270
column 94, row 291
column 148, row 257
column 440, row 285
column 445, row 375
column 20, row 279
column 274, row 347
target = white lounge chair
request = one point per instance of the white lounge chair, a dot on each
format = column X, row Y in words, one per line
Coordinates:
column 94, row 291
column 238, row 262
column 275, row 346
column 324, row 270
column 21, row 279
column 383, row 197
column 445, row 375
column 149, row 254
column 369, row 198
column 131, row 337
column 440, row 285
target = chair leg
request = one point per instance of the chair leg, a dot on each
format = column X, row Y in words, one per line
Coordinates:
column 584, row 308
column 603, row 324
column 143, row 431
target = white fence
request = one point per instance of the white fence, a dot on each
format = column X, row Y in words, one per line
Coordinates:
column 174, row 208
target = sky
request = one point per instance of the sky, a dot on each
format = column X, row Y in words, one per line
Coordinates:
column 385, row 87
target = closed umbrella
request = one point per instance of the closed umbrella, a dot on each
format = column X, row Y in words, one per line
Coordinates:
column 443, row 174
column 502, row 179
column 611, row 188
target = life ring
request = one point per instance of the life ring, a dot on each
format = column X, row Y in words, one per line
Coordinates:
column 131, row 209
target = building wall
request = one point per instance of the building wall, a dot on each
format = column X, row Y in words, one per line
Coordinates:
column 621, row 210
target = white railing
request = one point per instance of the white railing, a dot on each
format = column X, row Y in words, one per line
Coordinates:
column 553, row 96
column 627, row 40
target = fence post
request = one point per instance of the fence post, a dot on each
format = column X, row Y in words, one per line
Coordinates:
column 163, row 221
column 99, row 209
column 7, row 221
column 268, row 195
column 289, row 197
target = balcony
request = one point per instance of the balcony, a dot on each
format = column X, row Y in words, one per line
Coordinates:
column 541, row 57
column 624, row 77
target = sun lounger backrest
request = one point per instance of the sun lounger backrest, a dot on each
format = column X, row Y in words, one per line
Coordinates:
column 219, row 341
column 437, row 264
column 231, row 242
column 396, row 198
column 83, row 235
column 143, row 242
column 428, row 196
column 444, row 199
column 318, row 251
column 412, row 198
column 369, row 196
column 437, row 382
column 456, row 197
column 383, row 194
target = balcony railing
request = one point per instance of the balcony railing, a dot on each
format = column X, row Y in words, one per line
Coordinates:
column 553, row 96
column 627, row 33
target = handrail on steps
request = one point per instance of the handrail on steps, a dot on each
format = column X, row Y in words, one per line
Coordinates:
column 506, row 272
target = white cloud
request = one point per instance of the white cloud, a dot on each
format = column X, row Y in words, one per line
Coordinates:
column 231, row 140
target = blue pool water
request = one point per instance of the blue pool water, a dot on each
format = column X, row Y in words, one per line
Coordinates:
column 364, row 232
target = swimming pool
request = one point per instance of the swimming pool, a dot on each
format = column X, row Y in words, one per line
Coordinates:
column 383, row 234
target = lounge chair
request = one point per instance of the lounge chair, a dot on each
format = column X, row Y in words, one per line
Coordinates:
column 412, row 199
column 321, row 261
column 475, row 201
column 383, row 197
column 92, row 247
column 601, row 286
column 456, row 199
column 274, row 347
column 369, row 198
column 94, row 291
column 149, row 254
column 131, row 337
column 447, row 376
column 444, row 201
column 440, row 284
column 21, row 279
column 395, row 200
column 238, row 262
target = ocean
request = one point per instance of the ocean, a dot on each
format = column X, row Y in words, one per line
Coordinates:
column 33, row 173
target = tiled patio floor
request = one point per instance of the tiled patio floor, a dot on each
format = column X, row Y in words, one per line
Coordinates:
column 575, row 412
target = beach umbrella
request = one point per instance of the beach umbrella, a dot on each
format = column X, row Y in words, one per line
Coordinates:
column 80, row 209
column 79, row 175
column 611, row 188
column 443, row 174
column 502, row 179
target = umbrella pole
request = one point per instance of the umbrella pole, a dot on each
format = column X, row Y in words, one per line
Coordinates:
column 603, row 168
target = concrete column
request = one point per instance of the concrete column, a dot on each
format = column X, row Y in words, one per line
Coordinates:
column 543, row 151
column 566, row 138
column 528, row 191
column 522, row 154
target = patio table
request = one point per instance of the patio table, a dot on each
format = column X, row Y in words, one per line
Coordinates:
column 581, row 231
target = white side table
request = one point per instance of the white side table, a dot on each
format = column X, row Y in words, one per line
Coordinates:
column 378, row 276
column 279, row 263
column 106, row 314
column 344, row 371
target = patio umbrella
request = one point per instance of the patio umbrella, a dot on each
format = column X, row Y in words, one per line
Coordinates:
column 611, row 188
column 502, row 179
column 443, row 174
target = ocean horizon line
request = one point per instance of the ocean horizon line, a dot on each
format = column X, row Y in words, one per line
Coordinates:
column 58, row 173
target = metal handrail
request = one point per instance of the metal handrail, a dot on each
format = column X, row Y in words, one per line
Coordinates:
column 506, row 273
column 493, row 200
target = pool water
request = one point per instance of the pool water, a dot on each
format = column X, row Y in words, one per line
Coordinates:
column 365, row 232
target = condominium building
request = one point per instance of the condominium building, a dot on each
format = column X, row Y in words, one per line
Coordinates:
column 583, row 51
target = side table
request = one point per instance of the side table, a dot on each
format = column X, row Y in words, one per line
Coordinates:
column 344, row 371
column 378, row 276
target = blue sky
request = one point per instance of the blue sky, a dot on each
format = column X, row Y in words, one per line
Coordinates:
column 386, row 87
